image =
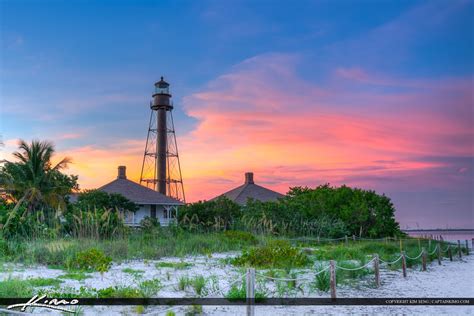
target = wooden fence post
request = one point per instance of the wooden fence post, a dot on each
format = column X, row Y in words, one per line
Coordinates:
column 318, row 239
column 401, row 245
column 353, row 237
column 423, row 259
column 429, row 244
column 459, row 249
column 467, row 248
column 439, row 254
column 345, row 237
column 404, row 264
column 332, row 272
column 377, row 270
column 250, row 291
column 419, row 244
column 450, row 253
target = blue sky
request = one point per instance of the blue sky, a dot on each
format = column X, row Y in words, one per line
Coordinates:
column 381, row 90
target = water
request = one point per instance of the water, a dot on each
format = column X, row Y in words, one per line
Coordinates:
column 448, row 235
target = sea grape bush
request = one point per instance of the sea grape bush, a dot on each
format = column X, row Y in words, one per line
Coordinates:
column 93, row 259
column 275, row 254
column 324, row 211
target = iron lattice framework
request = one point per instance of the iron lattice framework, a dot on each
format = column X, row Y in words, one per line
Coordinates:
column 150, row 174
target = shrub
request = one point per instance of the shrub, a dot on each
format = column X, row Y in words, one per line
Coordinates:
column 149, row 224
column 240, row 236
column 276, row 254
column 150, row 287
column 93, row 259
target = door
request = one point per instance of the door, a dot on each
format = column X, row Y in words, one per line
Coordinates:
column 153, row 211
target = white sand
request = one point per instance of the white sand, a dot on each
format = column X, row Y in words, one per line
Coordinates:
column 452, row 279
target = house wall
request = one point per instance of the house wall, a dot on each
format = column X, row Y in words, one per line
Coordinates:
column 144, row 211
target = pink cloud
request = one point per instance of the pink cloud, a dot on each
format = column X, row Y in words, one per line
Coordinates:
column 261, row 115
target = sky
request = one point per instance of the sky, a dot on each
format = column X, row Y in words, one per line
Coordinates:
column 371, row 94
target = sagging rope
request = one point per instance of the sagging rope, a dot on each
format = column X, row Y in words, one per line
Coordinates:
column 434, row 251
column 447, row 248
column 415, row 258
column 391, row 262
column 289, row 280
column 355, row 269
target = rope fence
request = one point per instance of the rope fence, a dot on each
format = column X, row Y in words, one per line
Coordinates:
column 251, row 274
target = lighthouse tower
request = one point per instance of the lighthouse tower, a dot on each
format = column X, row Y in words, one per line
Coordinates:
column 161, row 170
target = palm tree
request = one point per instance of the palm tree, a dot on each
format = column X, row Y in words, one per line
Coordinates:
column 33, row 180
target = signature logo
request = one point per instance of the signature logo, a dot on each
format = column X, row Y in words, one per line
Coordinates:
column 43, row 301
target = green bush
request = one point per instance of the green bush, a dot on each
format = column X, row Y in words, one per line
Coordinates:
column 240, row 236
column 93, row 259
column 276, row 254
column 149, row 224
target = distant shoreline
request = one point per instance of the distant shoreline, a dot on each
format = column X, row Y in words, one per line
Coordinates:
column 439, row 230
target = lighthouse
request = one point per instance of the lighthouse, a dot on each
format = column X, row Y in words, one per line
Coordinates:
column 161, row 169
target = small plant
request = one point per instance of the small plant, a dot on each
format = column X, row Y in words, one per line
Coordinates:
column 239, row 293
column 139, row 309
column 322, row 279
column 183, row 282
column 150, row 287
column 132, row 271
column 93, row 259
column 174, row 265
column 194, row 310
column 170, row 313
column 120, row 292
column 199, row 284
column 136, row 274
column 79, row 276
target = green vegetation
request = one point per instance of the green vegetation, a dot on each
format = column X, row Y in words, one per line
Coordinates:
column 240, row 237
column 324, row 211
column 183, row 282
column 174, row 265
column 275, row 254
column 15, row 287
column 35, row 282
column 194, row 310
column 238, row 293
column 79, row 276
column 322, row 280
column 148, row 288
column 199, row 284
column 92, row 260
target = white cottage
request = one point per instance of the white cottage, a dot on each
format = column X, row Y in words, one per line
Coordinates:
column 151, row 203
